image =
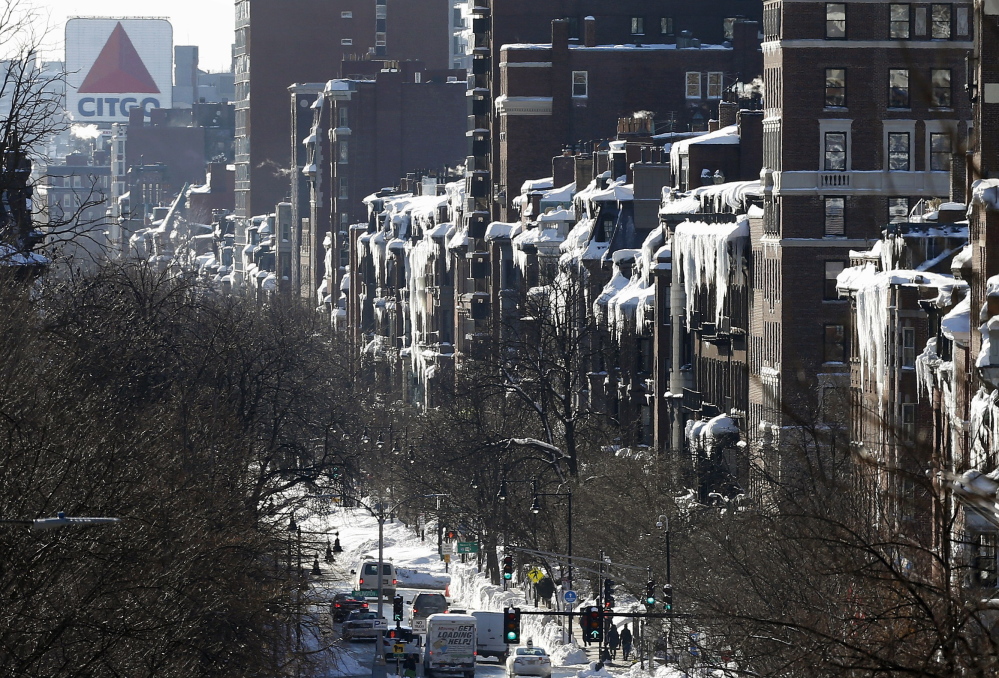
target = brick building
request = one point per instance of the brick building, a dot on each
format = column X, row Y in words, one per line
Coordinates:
column 364, row 134
column 301, row 41
column 863, row 113
column 552, row 95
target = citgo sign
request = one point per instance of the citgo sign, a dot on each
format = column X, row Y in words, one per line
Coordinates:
column 115, row 65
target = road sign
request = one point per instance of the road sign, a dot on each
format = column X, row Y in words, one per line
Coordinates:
column 535, row 575
column 420, row 625
column 364, row 593
column 399, row 649
column 447, row 548
column 570, row 596
column 447, row 557
column 468, row 547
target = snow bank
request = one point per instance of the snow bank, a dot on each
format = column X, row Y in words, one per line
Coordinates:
column 710, row 256
column 568, row 655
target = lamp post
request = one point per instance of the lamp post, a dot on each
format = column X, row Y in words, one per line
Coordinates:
column 663, row 524
column 536, row 508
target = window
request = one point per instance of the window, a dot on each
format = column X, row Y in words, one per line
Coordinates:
column 835, row 151
column 379, row 39
column 346, row 15
column 344, row 192
column 835, row 87
column 940, row 151
column 898, row 152
column 380, row 11
column 898, row 209
column 898, row 88
column 715, row 85
column 908, row 421
column 919, row 27
column 899, row 28
column 985, row 560
column 835, row 20
column 637, row 25
column 833, row 269
column 693, row 85
column 666, row 25
column 908, row 347
column 580, row 83
column 834, row 344
column 940, row 28
column 963, row 21
column 346, row 41
column 342, row 117
column 940, row 83
column 835, row 208
column 344, row 154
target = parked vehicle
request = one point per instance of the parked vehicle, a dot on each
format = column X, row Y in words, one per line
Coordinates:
column 426, row 604
column 450, row 646
column 343, row 604
column 367, row 578
column 362, row 624
column 529, row 661
column 489, row 632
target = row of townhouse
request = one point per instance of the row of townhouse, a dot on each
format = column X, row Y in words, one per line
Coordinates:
column 758, row 216
column 800, row 265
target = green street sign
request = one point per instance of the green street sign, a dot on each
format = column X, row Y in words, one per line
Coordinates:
column 468, row 547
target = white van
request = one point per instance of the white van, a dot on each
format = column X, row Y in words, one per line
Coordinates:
column 367, row 578
column 450, row 647
column 489, row 629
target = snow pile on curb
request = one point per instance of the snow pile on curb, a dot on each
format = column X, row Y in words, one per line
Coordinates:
column 568, row 655
column 592, row 671
column 346, row 665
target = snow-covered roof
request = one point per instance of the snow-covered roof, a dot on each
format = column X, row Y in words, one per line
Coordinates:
column 537, row 185
column 985, row 192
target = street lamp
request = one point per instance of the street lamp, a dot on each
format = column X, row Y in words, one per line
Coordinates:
column 536, row 508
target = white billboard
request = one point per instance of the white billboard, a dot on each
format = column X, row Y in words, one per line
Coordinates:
column 115, row 65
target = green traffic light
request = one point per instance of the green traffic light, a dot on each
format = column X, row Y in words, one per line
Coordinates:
column 650, row 601
column 508, row 575
column 511, row 635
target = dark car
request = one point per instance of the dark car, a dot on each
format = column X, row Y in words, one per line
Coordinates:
column 343, row 604
column 426, row 604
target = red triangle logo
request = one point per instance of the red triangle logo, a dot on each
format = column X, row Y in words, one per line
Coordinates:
column 118, row 69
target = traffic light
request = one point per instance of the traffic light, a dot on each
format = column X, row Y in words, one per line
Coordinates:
column 667, row 597
column 511, row 626
column 397, row 609
column 608, row 593
column 593, row 624
column 508, row 567
column 650, row 594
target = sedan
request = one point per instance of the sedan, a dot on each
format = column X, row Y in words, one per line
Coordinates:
column 343, row 604
column 529, row 661
column 363, row 624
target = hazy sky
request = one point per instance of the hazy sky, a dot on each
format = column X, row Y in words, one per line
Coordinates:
column 205, row 23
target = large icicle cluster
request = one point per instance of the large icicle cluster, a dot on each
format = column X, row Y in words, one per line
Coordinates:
column 711, row 255
column 636, row 299
column 872, row 291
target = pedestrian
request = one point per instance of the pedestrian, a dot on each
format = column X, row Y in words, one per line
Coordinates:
column 613, row 641
column 582, row 628
column 626, row 642
column 409, row 666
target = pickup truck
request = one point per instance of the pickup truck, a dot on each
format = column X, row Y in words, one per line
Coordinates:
column 363, row 624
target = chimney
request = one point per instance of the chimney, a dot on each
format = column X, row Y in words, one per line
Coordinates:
column 590, row 32
column 563, row 170
column 712, row 125
column 727, row 111
column 584, row 170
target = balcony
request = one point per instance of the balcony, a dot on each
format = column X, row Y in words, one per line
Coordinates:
column 864, row 182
